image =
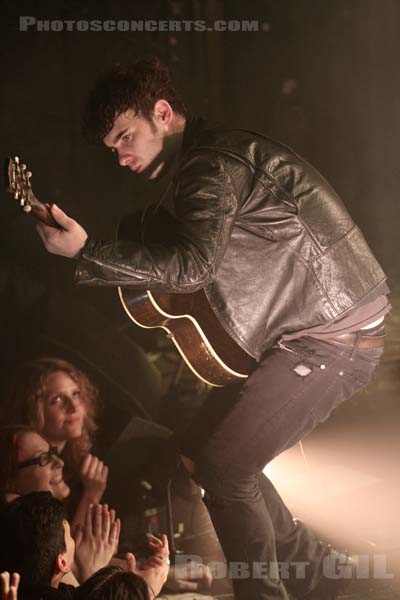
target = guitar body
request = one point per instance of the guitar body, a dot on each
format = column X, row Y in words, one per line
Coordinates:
column 190, row 323
column 188, row 319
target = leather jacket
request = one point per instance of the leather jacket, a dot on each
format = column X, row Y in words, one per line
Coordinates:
column 259, row 229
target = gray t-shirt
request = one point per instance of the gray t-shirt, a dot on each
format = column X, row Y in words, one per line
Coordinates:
column 372, row 309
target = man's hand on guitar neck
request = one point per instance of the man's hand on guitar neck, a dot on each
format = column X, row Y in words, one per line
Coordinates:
column 67, row 241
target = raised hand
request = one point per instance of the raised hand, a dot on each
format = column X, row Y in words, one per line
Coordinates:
column 68, row 240
column 9, row 586
column 94, row 475
column 96, row 542
column 155, row 569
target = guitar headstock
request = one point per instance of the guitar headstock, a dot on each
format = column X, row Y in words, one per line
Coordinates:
column 19, row 186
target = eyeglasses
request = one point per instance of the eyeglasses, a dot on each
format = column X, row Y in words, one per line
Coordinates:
column 42, row 460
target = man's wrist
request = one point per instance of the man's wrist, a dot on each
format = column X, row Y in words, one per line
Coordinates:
column 79, row 254
column 81, row 571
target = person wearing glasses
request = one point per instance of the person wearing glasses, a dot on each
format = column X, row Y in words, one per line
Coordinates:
column 59, row 401
column 29, row 464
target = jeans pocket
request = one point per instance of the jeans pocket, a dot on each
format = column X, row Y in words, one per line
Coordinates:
column 361, row 368
column 312, row 353
column 349, row 379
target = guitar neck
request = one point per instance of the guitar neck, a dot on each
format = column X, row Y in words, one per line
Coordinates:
column 42, row 212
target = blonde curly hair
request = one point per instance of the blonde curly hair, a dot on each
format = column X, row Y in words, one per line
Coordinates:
column 24, row 403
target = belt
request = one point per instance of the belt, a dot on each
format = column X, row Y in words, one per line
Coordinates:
column 362, row 339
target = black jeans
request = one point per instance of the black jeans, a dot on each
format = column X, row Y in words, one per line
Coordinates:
column 244, row 426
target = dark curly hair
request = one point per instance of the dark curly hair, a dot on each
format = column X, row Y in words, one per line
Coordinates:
column 135, row 86
column 33, row 532
column 112, row 583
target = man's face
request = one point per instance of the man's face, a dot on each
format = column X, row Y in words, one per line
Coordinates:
column 142, row 145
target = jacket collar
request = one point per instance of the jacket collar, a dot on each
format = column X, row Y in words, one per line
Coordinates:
column 194, row 126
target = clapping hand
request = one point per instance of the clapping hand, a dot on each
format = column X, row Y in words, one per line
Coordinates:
column 96, row 542
column 155, row 569
column 9, row 586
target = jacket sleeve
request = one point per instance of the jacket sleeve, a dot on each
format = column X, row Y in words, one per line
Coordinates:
column 205, row 206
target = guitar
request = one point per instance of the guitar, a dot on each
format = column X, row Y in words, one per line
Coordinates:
column 19, row 186
column 187, row 318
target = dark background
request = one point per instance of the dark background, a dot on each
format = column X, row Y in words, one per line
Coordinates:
column 319, row 76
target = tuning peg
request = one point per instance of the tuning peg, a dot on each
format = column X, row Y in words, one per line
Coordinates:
column 27, row 208
column 23, row 167
column 22, row 202
column 16, row 195
column 28, row 174
column 16, row 159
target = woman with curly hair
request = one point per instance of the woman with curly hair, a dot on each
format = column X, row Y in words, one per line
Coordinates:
column 60, row 402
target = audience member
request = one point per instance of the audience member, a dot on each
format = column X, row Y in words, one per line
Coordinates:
column 29, row 464
column 116, row 583
column 60, row 402
column 133, row 583
column 45, row 398
column 39, row 545
column 41, row 549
